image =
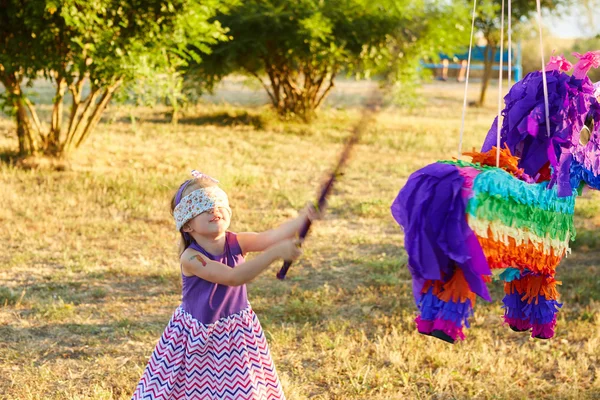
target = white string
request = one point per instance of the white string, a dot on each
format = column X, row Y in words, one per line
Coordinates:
column 546, row 107
column 464, row 110
column 499, row 124
column 509, row 44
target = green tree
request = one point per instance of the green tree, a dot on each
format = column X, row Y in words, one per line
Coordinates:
column 101, row 43
column 296, row 49
column 487, row 21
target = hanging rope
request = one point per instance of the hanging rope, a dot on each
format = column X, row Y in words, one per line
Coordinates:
column 499, row 121
column 546, row 107
column 464, row 110
column 509, row 44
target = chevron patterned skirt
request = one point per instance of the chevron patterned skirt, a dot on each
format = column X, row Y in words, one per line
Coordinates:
column 226, row 360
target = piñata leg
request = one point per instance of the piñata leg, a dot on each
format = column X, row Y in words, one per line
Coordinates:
column 445, row 307
column 531, row 302
column 514, row 306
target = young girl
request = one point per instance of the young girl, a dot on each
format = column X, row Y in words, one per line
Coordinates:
column 214, row 346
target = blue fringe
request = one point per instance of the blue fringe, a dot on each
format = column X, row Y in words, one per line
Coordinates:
column 510, row 274
column 580, row 174
column 543, row 312
column 513, row 306
column 457, row 313
column 432, row 308
column 429, row 305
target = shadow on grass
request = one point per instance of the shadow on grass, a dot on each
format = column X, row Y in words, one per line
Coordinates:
column 362, row 289
column 10, row 157
column 224, row 118
column 53, row 341
column 47, row 162
column 378, row 282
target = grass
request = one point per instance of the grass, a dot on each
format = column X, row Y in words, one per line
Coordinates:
column 89, row 277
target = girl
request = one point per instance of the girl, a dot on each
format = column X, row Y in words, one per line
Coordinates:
column 214, row 346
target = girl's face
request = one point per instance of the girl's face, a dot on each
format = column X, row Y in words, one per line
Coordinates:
column 210, row 223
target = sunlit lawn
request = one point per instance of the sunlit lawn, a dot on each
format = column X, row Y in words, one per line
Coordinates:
column 89, row 274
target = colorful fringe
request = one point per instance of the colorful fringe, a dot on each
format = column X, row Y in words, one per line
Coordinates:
column 524, row 228
column 446, row 306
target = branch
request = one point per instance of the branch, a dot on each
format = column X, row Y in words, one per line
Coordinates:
column 326, row 92
column 264, row 85
column 74, row 130
column 95, row 118
column 307, row 70
column 34, row 116
column 56, row 122
column 75, row 88
column 275, row 82
column 291, row 82
column 317, row 85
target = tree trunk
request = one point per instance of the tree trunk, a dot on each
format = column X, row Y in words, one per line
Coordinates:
column 27, row 141
column 27, row 144
column 294, row 93
column 100, row 107
column 84, row 115
column 76, row 88
column 76, row 127
column 54, row 144
column 490, row 52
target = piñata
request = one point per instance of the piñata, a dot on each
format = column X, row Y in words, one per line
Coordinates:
column 464, row 221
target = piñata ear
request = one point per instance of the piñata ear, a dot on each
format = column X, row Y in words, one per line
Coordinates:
column 559, row 63
column 589, row 60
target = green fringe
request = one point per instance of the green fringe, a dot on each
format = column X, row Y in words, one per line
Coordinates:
column 521, row 216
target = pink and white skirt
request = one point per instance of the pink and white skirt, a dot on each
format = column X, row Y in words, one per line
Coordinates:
column 226, row 360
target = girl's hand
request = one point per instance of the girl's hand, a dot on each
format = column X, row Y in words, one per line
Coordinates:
column 288, row 249
column 311, row 212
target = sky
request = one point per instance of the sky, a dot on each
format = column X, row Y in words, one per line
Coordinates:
column 577, row 23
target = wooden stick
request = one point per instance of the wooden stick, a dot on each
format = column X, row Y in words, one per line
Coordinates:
column 368, row 112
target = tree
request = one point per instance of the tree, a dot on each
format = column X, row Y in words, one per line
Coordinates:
column 487, row 21
column 301, row 46
column 101, row 43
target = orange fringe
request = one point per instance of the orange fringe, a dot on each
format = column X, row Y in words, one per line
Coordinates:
column 532, row 286
column 508, row 162
column 456, row 289
column 437, row 287
column 527, row 255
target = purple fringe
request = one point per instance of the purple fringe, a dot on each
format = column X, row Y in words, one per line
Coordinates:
column 544, row 312
column 448, row 317
column 520, row 324
column 432, row 308
column 424, row 326
column 544, row 331
column 431, row 210
column 455, row 332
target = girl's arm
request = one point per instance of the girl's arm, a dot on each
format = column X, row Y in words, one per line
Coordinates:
column 251, row 241
column 196, row 263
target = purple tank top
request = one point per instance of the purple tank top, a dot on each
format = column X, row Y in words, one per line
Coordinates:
column 207, row 301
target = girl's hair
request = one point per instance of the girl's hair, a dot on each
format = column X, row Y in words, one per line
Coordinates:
column 186, row 188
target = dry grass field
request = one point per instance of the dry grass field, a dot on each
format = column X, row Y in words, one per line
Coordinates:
column 89, row 275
